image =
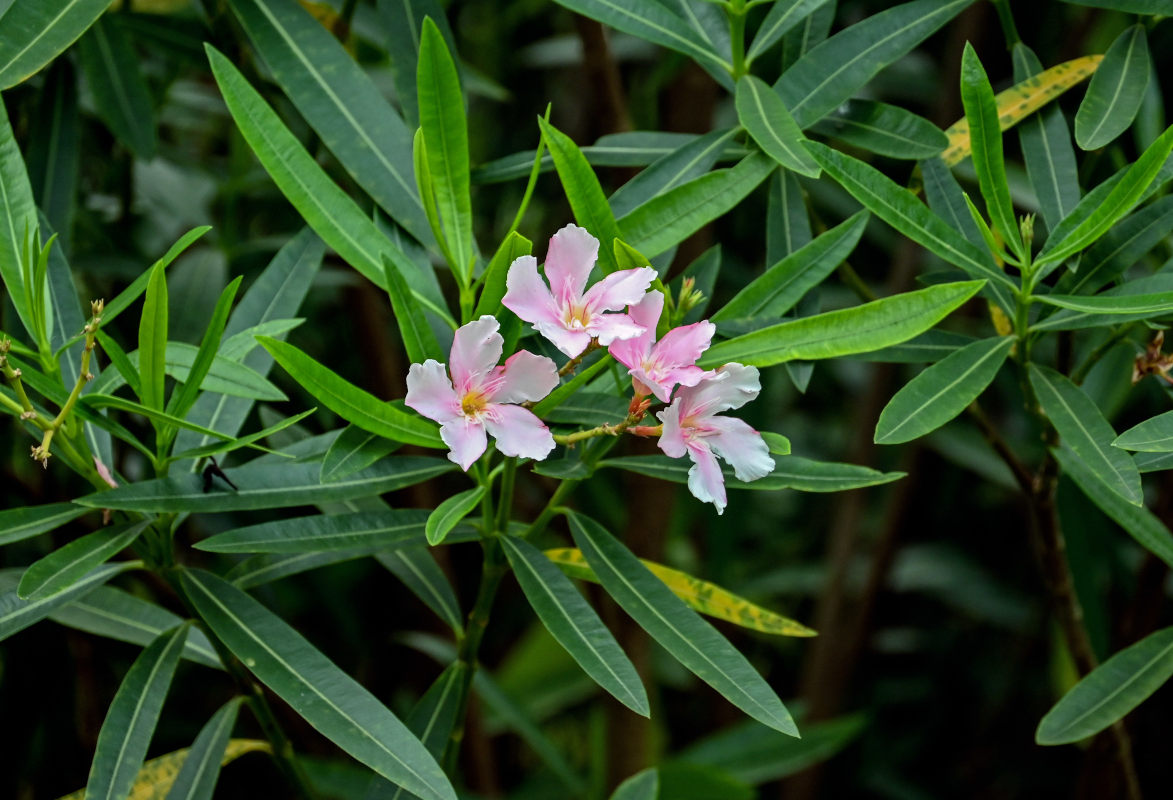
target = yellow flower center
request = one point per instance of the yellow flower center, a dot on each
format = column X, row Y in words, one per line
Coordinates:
column 577, row 317
column 473, row 404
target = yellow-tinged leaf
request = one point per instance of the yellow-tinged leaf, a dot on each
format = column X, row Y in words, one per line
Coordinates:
column 705, row 597
column 157, row 775
column 1023, row 99
column 1002, row 323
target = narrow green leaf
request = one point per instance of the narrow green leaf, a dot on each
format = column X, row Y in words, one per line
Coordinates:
column 1154, row 435
column 691, row 640
column 340, row 102
column 942, row 391
column 781, row 286
column 813, row 30
column 645, row 785
column 197, row 777
column 948, row 201
column 130, row 721
column 120, row 93
column 36, row 31
column 905, row 213
column 514, row 247
column 1125, row 244
column 268, row 486
column 1149, row 304
column 243, row 441
column 18, row 212
column 152, row 340
column 24, row 523
column 790, row 472
column 584, row 193
column 672, row 217
column 1083, row 428
column 1110, row 691
column 350, row 402
column 160, row 418
column 262, row 569
column 445, row 133
column 985, row 133
column 1151, row 291
column 450, row 512
column 183, row 398
column 420, row 573
column 782, row 17
column 690, row 160
column 1137, row 521
column 127, row 296
column 54, row 150
column 877, row 324
column 575, row 625
column 325, row 696
column 375, row 529
column 223, row 376
column 764, row 115
column 418, row 339
column 354, row 449
column 239, row 345
column 1116, row 90
column 1098, row 212
column 17, row 614
column 65, row 566
column 402, row 20
column 884, row 129
column 833, row 71
column 1046, row 148
column 321, row 202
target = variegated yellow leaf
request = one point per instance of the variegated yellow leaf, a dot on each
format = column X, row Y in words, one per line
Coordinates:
column 156, row 776
column 1023, row 99
column 705, row 597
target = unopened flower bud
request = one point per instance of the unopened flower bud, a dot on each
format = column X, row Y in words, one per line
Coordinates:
column 96, row 307
column 1027, row 228
column 690, row 296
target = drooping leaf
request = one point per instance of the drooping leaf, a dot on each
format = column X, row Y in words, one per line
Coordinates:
column 1130, row 304
column 942, row 391
column 67, row 565
column 871, row 326
column 268, row 486
column 1083, row 428
column 884, row 129
column 691, row 640
column 450, row 512
column 37, row 31
column 350, row 402
column 1116, row 90
column 325, row 696
column 575, row 625
column 130, row 721
column 1110, row 691
column 764, row 115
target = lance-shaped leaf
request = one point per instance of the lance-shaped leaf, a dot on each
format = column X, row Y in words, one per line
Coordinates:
column 120, row 93
column 584, row 193
column 350, row 402
column 18, row 214
column 1140, row 523
column 644, row 785
column 445, row 133
column 788, row 225
column 897, row 206
column 1116, row 90
column 197, row 777
column 703, row 596
column 321, row 202
column 871, row 326
column 689, row 161
column 493, row 289
column 1046, row 148
column 836, row 69
column 324, row 532
column 1121, row 247
column 1099, row 211
column 325, row 696
column 339, row 101
column 24, row 523
column 762, row 113
column 790, row 472
column 418, row 339
column 37, row 31
column 782, row 17
column 127, row 296
column 54, row 153
column 884, row 129
column 781, row 286
column 1151, row 436
column 352, row 450
column 672, row 217
column 184, row 397
column 450, row 512
column 223, row 376
column 691, row 641
column 1082, row 425
column 130, row 721
column 1110, row 691
column 152, row 340
column 268, row 486
column 575, row 625
column 17, row 614
column 985, row 135
column 67, row 565
column 942, row 391
column 246, row 441
column 1130, row 304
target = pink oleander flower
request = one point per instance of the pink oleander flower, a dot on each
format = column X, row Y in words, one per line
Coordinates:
column 480, row 397
column 658, row 367
column 691, row 426
column 562, row 312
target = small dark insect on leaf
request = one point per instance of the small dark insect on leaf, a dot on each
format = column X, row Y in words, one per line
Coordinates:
column 212, row 471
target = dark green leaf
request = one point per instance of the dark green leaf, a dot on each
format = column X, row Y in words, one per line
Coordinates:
column 782, row 17
column 450, row 512
column 1116, row 90
column 354, row 449
column 418, row 339
column 29, row 521
column 120, row 93
column 764, row 115
column 643, row 785
column 689, row 161
column 790, row 472
column 375, row 529
column 37, row 31
column 17, row 614
column 884, row 129
column 422, row 575
column 1151, row 436
column 18, row 213
column 67, row 565
column 197, row 777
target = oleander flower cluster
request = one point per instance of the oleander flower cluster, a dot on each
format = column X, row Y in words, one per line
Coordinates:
column 472, row 397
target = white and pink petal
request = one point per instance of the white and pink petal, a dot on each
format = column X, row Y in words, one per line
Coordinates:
column 518, row 432
column 741, row 446
column 466, row 440
column 527, row 295
column 430, row 392
column 476, row 349
column 525, row 377
column 569, row 261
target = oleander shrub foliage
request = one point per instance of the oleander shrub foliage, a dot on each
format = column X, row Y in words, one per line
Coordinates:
column 493, row 400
